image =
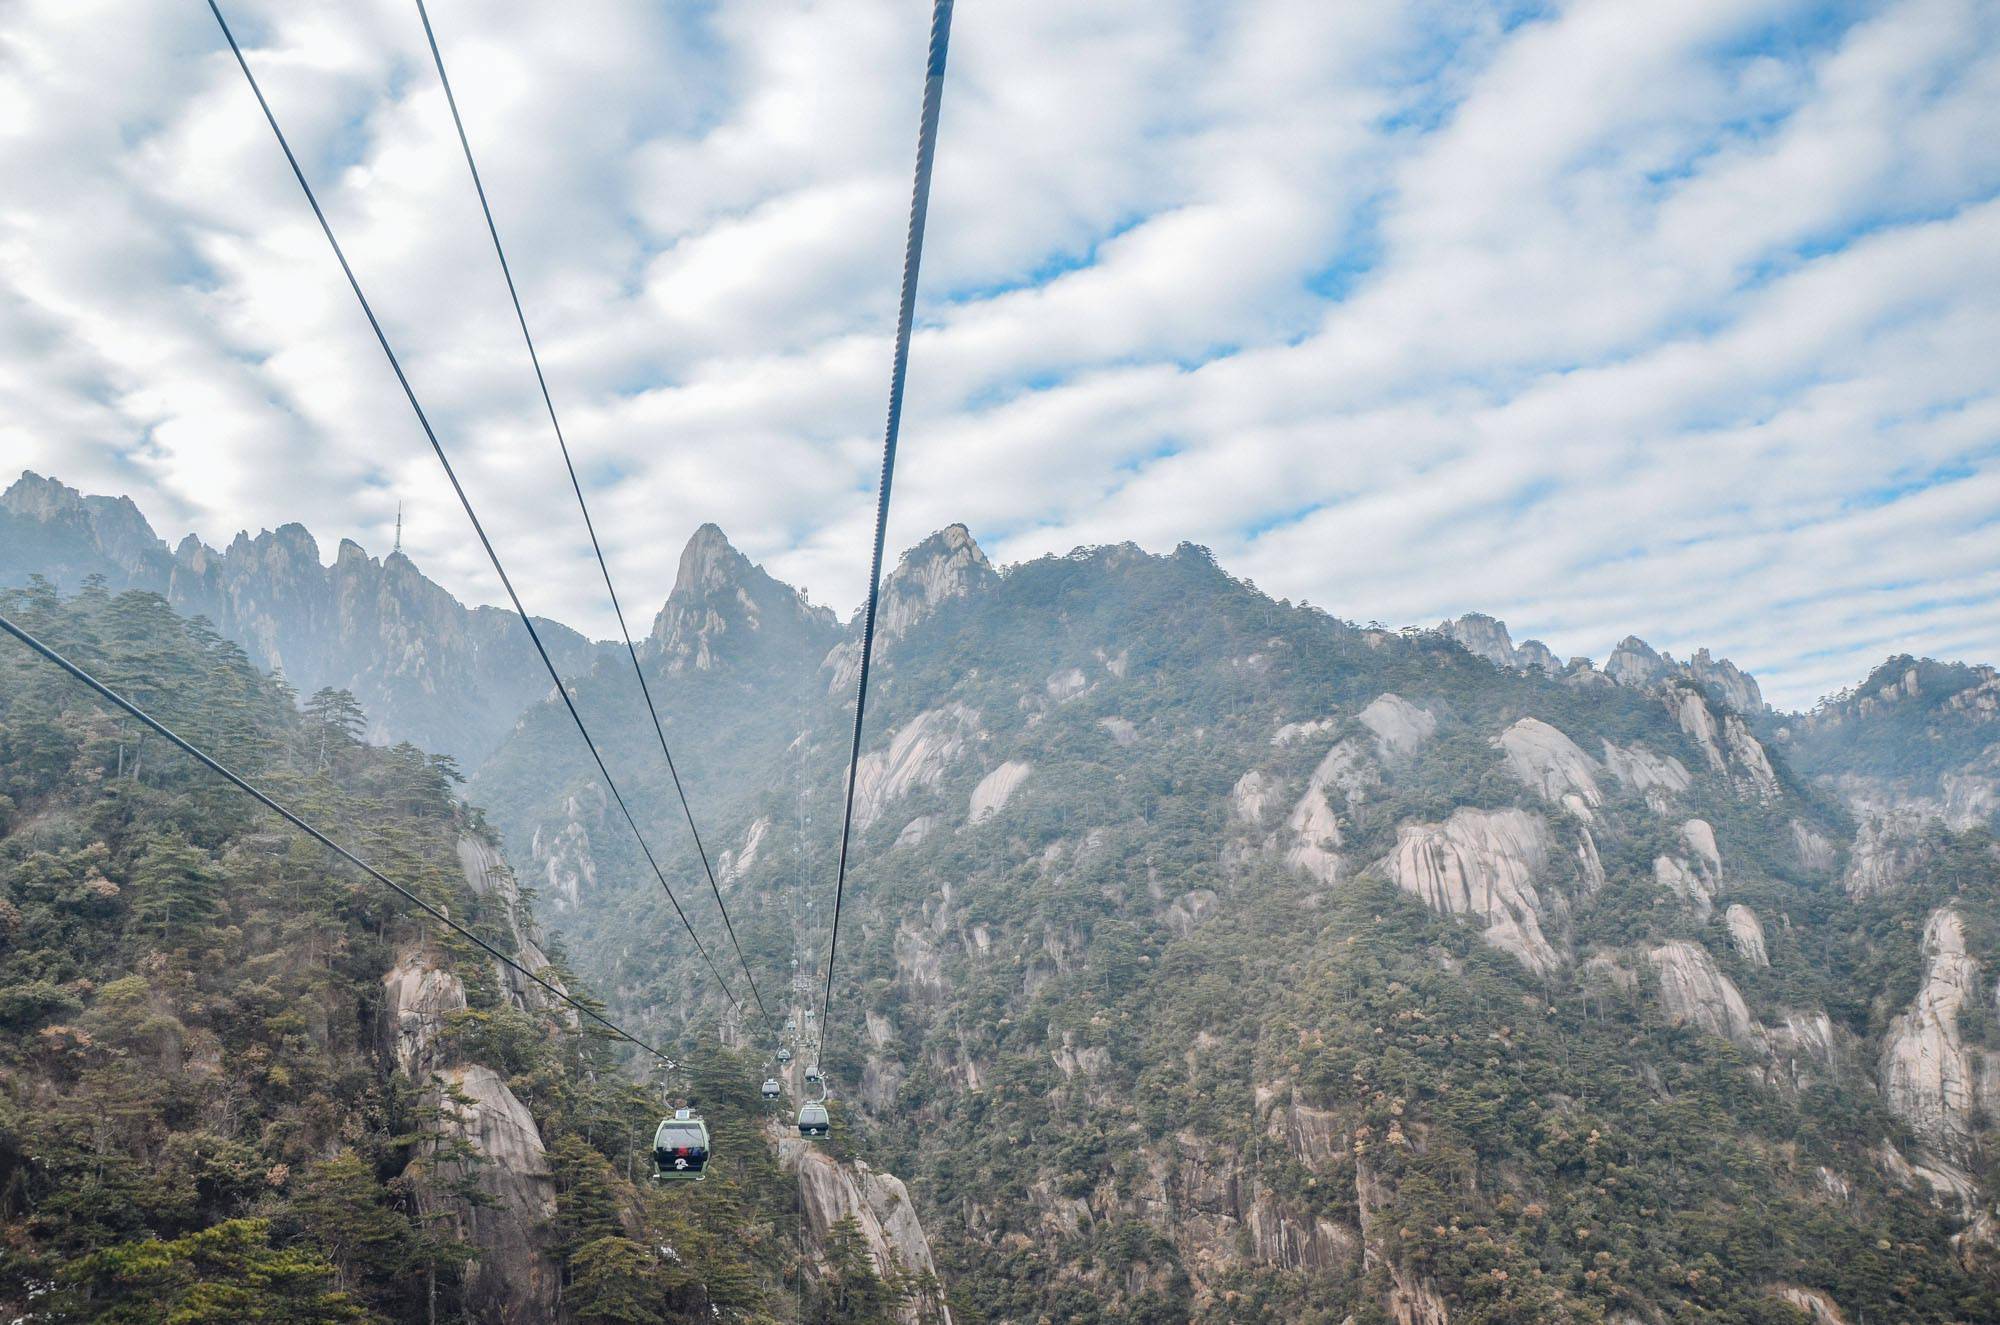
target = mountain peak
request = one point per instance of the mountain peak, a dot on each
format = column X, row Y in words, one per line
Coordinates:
column 719, row 593
column 947, row 565
column 1486, row 637
column 36, row 498
column 708, row 562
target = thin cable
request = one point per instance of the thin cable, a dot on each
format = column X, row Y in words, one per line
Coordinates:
column 913, row 252
column 437, row 447
column 245, row 785
column 576, row 486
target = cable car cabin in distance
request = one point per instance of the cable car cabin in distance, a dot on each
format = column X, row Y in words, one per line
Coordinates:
column 813, row 1120
column 771, row 1088
column 680, row 1148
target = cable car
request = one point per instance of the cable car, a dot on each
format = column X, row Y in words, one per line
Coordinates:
column 784, row 1055
column 817, row 1084
column 813, row 1120
column 791, row 1023
column 680, row 1148
column 771, row 1088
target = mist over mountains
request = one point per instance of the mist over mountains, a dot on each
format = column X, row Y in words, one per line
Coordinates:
column 1211, row 958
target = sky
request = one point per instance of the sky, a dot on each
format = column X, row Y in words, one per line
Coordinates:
column 1680, row 320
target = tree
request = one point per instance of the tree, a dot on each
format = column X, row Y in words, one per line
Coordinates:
column 334, row 721
column 226, row 1274
column 342, row 1208
column 174, row 886
column 616, row 1282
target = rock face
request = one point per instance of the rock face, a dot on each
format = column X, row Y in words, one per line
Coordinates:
column 514, row 1280
column 487, row 873
column 945, row 566
column 1484, row 637
column 1747, row 934
column 996, row 789
column 1483, row 864
column 1889, row 848
column 1659, row 778
column 418, row 997
column 916, row 756
column 1312, row 834
column 1727, row 743
column 1815, row 854
column 879, row 1204
column 1552, row 765
column 1930, row 1078
column 725, row 607
column 1694, row 992
column 1400, row 727
column 1250, row 796
column 1676, row 876
column 1634, row 663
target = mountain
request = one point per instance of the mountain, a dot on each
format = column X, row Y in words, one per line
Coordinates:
column 427, row 669
column 241, row 1082
column 1206, row 958
column 1633, row 662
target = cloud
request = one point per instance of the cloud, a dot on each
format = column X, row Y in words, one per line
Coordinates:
column 1667, row 319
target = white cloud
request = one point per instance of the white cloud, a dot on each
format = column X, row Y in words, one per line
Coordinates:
column 1673, row 319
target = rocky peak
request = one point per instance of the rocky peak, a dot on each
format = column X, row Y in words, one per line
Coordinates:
column 1486, row 637
column 722, row 600
column 36, row 498
column 944, row 566
column 1732, row 682
column 49, row 528
column 1635, row 663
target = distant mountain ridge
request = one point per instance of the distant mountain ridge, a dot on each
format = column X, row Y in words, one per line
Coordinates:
column 427, row 668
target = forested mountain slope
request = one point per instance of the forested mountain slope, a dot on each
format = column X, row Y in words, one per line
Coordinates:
column 240, row 1082
column 1210, row 958
column 426, row 669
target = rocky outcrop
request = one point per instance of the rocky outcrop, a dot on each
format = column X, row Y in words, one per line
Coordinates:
column 1634, row 663
column 1747, row 934
column 881, row 1208
column 1250, row 796
column 996, row 789
column 1811, row 849
column 1659, row 778
column 1400, row 727
column 1120, row 730
column 487, row 874
column 946, row 566
column 725, row 608
column 1315, row 839
column 917, row 756
column 1676, row 876
column 1694, row 992
column 1889, row 848
column 1551, row 764
column 1930, row 1078
column 1484, row 637
column 1292, row 733
column 1817, row 1306
column 561, row 850
column 1726, row 743
column 1484, row 864
column 514, row 1281
column 419, row 996
column 1312, row 835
